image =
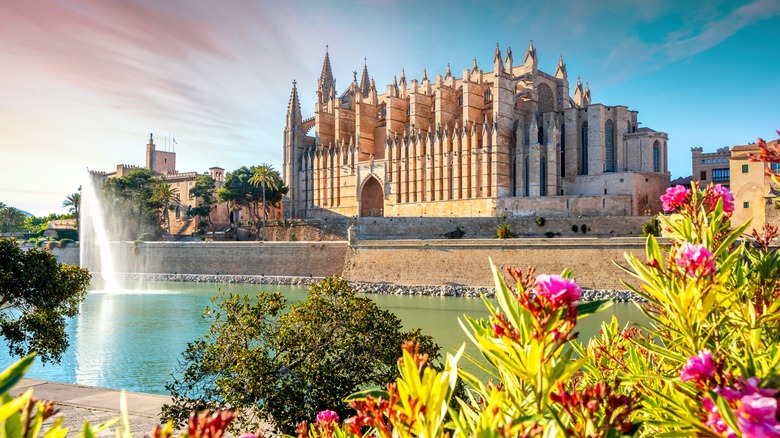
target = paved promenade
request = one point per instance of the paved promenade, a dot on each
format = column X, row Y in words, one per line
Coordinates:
column 79, row 403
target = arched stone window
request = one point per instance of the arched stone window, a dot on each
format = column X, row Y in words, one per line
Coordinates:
column 609, row 146
column 563, row 150
column 546, row 100
column 656, row 157
column 488, row 96
column 584, row 149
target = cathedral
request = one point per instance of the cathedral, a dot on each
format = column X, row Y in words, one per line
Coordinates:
column 507, row 142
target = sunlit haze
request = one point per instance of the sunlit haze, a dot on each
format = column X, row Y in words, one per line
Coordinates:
column 84, row 82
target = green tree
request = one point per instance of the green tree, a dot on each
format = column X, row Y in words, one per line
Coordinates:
column 131, row 196
column 168, row 196
column 240, row 192
column 73, row 202
column 204, row 193
column 266, row 177
column 290, row 362
column 36, row 295
column 12, row 217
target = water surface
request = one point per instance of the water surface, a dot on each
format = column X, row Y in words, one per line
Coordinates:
column 133, row 339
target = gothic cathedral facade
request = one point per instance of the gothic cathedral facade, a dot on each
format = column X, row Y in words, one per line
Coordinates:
column 511, row 142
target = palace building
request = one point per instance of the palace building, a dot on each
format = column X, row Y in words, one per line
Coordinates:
column 506, row 142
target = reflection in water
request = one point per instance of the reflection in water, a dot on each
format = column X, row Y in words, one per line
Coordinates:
column 133, row 339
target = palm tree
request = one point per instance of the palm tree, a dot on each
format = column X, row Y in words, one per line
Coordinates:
column 11, row 213
column 168, row 195
column 264, row 175
column 73, row 201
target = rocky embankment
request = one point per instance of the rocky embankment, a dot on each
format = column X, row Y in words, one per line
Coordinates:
column 452, row 290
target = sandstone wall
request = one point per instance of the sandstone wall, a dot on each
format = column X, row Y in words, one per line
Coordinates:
column 465, row 262
column 317, row 259
column 432, row 228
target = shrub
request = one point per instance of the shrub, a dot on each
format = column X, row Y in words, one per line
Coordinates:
column 575, row 228
column 584, row 228
column 540, row 221
column 64, row 242
column 706, row 364
column 651, row 228
column 287, row 362
column 549, row 234
column 503, row 231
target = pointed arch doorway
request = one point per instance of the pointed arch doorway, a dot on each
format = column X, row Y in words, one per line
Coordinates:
column 372, row 198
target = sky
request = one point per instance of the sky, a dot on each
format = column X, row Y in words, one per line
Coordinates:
column 84, row 82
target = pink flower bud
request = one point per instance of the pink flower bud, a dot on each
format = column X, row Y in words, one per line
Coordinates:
column 327, row 417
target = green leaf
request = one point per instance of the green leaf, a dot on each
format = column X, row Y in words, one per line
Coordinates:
column 12, row 407
column 725, row 410
column 13, row 374
column 374, row 392
column 587, row 307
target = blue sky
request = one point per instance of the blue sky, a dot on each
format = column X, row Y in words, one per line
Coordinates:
column 85, row 81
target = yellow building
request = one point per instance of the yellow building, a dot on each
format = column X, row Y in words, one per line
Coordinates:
column 754, row 192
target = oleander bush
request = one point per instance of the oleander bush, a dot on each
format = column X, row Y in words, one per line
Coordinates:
column 707, row 363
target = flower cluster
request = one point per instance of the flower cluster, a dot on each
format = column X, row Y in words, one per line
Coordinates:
column 675, row 198
column 696, row 260
column 755, row 408
column 678, row 198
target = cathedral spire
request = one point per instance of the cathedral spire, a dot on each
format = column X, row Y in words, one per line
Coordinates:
column 474, row 68
column 586, row 94
column 425, row 75
column 509, row 60
column 498, row 63
column 578, row 94
column 327, row 85
column 448, row 73
column 530, row 56
column 560, row 70
column 294, row 106
column 365, row 83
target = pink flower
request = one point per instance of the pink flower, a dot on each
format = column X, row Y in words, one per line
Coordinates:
column 695, row 259
column 557, row 289
column 675, row 197
column 756, row 416
column 699, row 368
column 327, row 418
column 724, row 194
column 498, row 330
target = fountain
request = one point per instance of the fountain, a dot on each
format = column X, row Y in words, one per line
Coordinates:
column 94, row 243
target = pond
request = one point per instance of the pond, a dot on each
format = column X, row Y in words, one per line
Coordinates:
column 133, row 339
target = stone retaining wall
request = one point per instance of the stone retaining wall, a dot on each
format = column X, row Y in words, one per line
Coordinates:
column 304, row 259
column 449, row 264
column 465, row 262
